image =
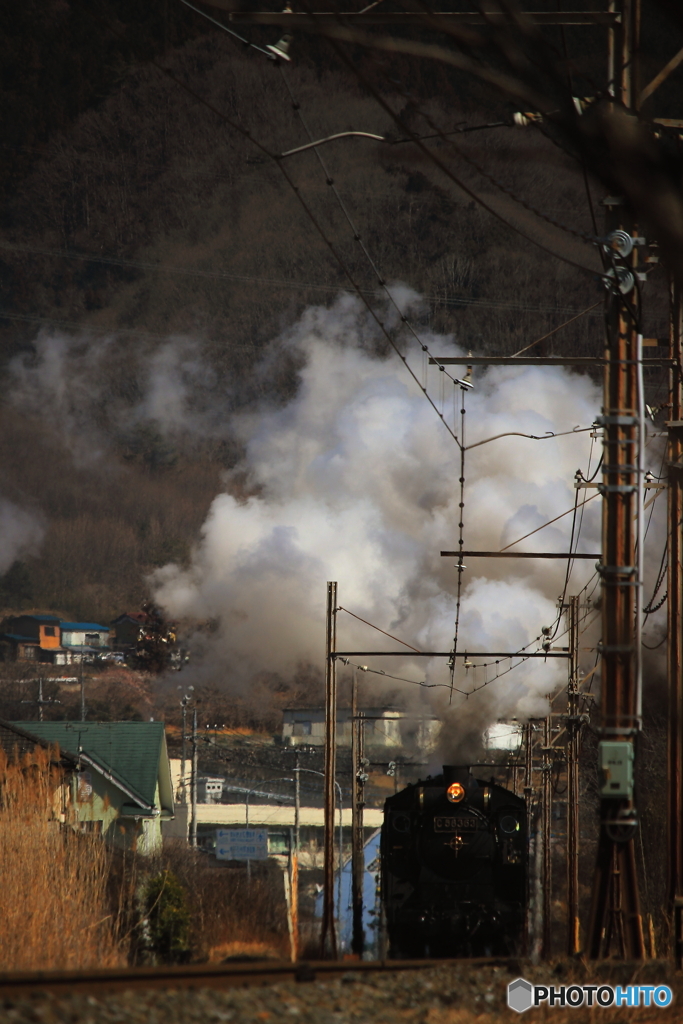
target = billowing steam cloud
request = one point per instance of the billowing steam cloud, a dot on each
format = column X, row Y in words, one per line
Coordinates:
column 66, row 381
column 20, row 533
column 356, row 480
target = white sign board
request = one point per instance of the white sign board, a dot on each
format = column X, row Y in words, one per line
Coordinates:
column 241, row 843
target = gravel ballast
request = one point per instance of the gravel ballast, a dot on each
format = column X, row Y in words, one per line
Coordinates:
column 449, row 994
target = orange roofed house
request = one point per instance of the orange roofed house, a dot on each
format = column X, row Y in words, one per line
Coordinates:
column 34, row 638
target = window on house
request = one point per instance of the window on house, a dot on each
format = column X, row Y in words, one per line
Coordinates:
column 302, row 729
column 92, row 639
column 49, row 631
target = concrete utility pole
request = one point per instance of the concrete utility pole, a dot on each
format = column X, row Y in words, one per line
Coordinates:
column 572, row 748
column 675, row 623
column 357, row 804
column 328, row 935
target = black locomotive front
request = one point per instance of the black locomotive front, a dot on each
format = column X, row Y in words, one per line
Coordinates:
column 454, row 853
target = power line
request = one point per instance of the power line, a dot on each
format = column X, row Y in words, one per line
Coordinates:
column 120, row 261
column 357, row 237
column 429, row 154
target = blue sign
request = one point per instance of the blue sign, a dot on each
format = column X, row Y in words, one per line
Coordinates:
column 241, row 843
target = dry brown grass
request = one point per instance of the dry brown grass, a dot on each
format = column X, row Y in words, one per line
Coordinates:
column 53, row 904
column 231, row 914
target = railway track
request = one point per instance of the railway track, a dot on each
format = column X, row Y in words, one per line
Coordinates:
column 216, row 976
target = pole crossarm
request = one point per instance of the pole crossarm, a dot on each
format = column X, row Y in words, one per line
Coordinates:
column 519, row 554
column 448, row 654
column 597, row 361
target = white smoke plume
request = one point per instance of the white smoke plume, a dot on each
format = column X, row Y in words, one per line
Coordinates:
column 356, row 480
column 20, row 533
column 66, row 382
column 59, row 381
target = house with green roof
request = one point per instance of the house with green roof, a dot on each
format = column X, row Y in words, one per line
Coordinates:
column 122, row 788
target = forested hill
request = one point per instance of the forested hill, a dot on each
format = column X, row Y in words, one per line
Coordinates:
column 133, row 215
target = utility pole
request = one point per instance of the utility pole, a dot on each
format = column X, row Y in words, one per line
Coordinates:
column 328, row 936
column 357, row 804
column 292, row 897
column 83, row 709
column 546, row 822
column 183, row 758
column 532, row 872
column 615, row 913
column 294, row 858
column 297, row 803
column 193, row 822
column 572, row 748
column 675, row 622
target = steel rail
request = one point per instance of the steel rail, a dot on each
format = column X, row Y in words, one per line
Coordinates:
column 216, row 976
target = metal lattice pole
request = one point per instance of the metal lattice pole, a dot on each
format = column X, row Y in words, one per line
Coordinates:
column 328, row 935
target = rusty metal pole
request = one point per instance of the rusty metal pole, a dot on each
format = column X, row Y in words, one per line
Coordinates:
column 615, row 911
column 675, row 623
column 328, row 934
column 357, row 848
column 546, row 821
column 573, row 729
column 615, row 907
column 532, row 859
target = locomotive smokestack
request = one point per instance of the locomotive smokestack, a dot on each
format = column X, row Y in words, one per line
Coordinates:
column 456, row 773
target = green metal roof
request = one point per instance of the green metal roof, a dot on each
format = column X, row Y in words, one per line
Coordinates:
column 130, row 751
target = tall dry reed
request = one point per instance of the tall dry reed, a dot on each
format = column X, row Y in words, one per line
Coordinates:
column 53, row 901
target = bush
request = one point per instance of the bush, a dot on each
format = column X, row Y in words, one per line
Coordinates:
column 168, row 919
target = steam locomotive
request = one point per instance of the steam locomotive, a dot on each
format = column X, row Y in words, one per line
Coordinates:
column 454, row 868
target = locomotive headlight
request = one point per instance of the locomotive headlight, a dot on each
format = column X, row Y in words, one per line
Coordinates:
column 455, row 792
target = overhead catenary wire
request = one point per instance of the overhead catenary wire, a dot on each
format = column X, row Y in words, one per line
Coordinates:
column 461, row 524
column 550, row 521
column 120, row 261
column 245, row 42
column 346, row 59
column 296, row 105
column 397, row 639
column 246, row 134
column 556, row 329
